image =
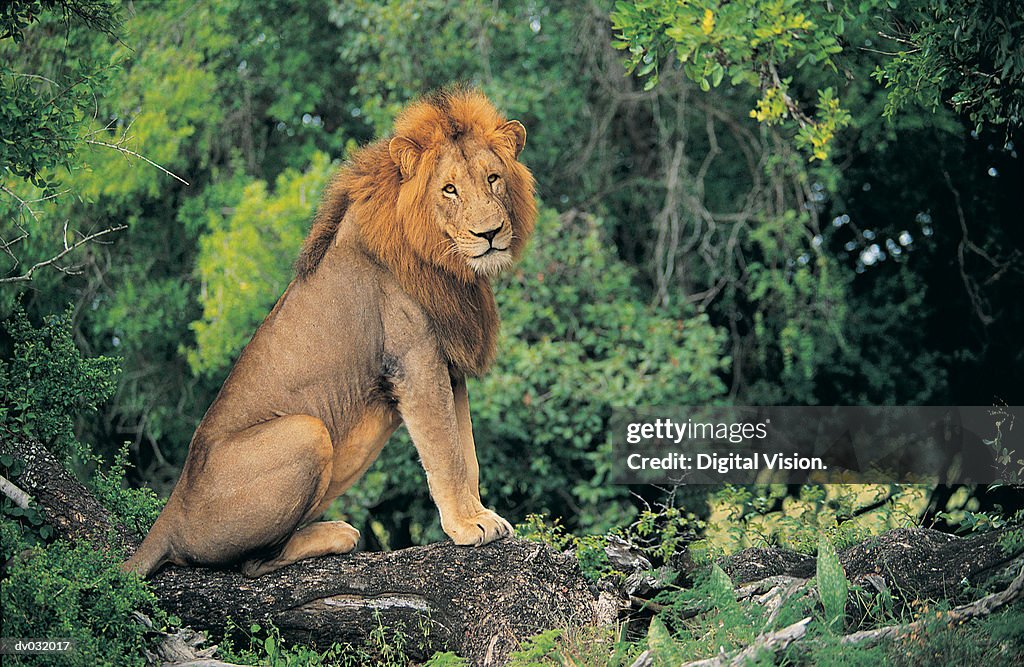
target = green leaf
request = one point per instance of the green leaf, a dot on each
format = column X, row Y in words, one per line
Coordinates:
column 716, row 75
column 659, row 639
column 832, row 584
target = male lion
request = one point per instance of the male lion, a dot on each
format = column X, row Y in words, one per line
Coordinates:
column 391, row 308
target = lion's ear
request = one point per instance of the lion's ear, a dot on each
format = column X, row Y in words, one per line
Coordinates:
column 405, row 153
column 515, row 134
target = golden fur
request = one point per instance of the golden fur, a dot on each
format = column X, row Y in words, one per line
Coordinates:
column 390, row 309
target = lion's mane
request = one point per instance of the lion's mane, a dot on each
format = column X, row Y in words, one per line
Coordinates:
column 396, row 229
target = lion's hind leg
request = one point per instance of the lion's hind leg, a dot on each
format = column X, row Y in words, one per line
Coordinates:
column 254, row 489
column 316, row 539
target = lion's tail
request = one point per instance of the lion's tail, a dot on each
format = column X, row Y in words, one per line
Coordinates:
column 152, row 554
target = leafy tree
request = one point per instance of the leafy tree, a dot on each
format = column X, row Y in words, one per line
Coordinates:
column 42, row 120
column 748, row 42
column 45, row 124
column 929, row 50
column 52, row 588
column 245, row 260
column 962, row 53
column 48, row 380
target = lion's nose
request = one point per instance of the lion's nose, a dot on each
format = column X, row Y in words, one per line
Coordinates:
column 489, row 234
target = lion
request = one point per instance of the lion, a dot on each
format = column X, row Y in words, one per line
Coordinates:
column 389, row 312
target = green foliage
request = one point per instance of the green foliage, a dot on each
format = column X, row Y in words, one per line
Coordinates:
column 584, row 646
column 1013, row 541
column 519, row 53
column 998, row 638
column 965, row 46
column 446, row 659
column 537, row 528
column 800, row 307
column 937, row 639
column 816, row 137
column 717, row 39
column 747, row 42
column 588, row 549
column 245, row 260
column 63, row 590
column 721, row 622
column 263, row 645
column 21, row 525
column 541, row 649
column 77, row 592
column 136, row 508
column 17, row 15
column 665, row 533
column 832, row 584
column 47, row 380
column 42, row 120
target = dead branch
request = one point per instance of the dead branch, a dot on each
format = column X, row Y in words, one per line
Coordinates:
column 126, row 152
column 68, row 249
column 773, row 642
column 17, row 496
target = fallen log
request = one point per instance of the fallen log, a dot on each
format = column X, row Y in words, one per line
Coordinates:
column 957, row 615
column 478, row 602
column 68, row 506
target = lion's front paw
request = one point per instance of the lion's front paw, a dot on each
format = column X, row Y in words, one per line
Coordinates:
column 477, row 529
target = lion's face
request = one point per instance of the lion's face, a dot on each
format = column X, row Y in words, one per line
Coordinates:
column 471, row 206
column 467, row 193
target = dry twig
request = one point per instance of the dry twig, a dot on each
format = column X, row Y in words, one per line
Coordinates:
column 68, row 249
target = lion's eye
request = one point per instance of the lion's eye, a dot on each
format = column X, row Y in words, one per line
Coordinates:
column 492, row 178
column 450, row 190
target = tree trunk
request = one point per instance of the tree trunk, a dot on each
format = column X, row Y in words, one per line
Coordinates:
column 479, row 603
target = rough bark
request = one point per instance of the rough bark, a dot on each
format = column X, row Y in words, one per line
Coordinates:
column 68, row 506
column 478, row 602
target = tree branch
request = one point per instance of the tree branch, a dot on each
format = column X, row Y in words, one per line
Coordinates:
column 19, row 497
column 126, row 152
column 68, row 249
